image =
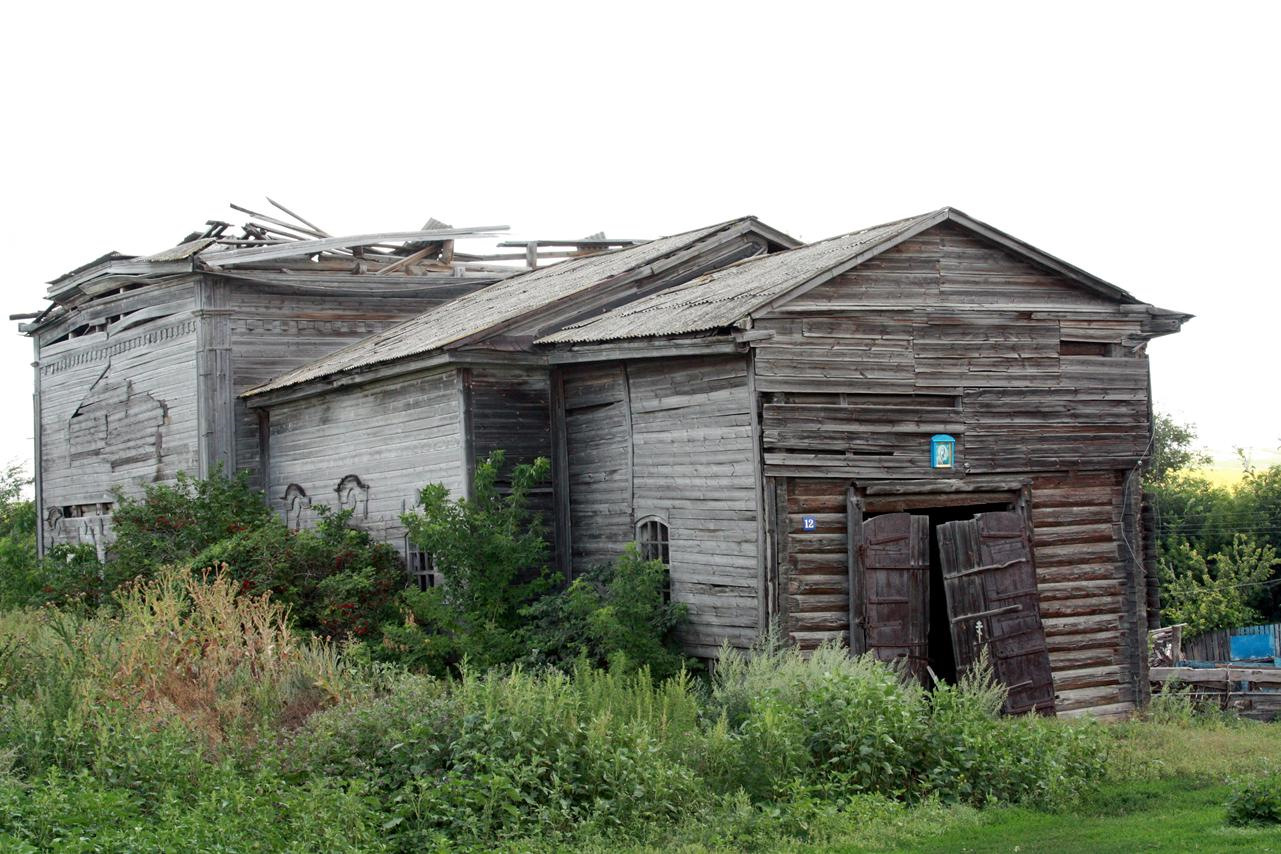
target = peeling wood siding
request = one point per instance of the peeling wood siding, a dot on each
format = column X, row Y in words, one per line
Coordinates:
column 689, row 462
column 397, row 435
column 117, row 409
column 272, row 333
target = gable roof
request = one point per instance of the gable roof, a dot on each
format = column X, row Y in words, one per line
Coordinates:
column 505, row 301
column 724, row 297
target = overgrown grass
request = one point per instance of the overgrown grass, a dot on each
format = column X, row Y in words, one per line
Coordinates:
column 196, row 718
column 190, row 690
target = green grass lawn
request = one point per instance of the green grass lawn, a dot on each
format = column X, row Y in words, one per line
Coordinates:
column 1169, row 815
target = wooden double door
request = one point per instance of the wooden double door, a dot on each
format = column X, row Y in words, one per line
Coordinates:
column 989, row 583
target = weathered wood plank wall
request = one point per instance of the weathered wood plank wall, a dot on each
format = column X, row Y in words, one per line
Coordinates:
column 117, row 408
column 396, row 435
column 1036, row 378
column 273, row 330
column 672, row 440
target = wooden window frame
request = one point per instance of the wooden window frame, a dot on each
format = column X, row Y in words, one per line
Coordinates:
column 654, row 539
column 420, row 566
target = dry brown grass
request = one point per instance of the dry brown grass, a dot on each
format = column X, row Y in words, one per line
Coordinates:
column 228, row 665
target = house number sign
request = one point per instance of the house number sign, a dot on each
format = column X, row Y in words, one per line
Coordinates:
column 809, row 523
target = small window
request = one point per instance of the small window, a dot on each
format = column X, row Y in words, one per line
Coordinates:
column 422, row 569
column 1084, row 348
column 654, row 541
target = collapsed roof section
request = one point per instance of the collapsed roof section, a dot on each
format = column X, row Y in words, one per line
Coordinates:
column 470, row 318
column 287, row 247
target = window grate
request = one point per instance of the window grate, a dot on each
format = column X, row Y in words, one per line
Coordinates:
column 654, row 539
column 421, row 566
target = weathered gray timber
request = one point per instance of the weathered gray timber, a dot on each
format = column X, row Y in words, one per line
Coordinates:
column 670, row 441
column 396, row 436
column 139, row 362
column 865, row 346
column 757, row 414
column 504, row 387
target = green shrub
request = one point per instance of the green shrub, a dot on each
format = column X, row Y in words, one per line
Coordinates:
column 1215, row 592
column 172, row 523
column 498, row 756
column 20, row 582
column 856, row 725
column 612, row 614
column 1256, row 802
column 492, row 553
column 226, row 811
column 335, row 578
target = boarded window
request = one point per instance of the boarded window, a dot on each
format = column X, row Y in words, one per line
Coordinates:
column 992, row 603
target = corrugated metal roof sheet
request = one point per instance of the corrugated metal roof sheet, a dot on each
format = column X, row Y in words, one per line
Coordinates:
column 725, row 296
column 484, row 309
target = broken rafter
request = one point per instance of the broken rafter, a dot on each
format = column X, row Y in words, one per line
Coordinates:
column 305, row 222
column 250, row 255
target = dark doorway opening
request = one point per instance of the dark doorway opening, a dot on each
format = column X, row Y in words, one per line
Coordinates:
column 941, row 655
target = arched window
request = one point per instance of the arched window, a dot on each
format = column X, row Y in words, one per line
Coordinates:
column 654, row 540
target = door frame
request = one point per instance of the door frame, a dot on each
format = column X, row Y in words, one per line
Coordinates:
column 877, row 497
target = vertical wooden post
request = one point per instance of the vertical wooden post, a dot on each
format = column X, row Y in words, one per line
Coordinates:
column 758, row 477
column 467, row 441
column 215, row 419
column 631, row 448
column 560, row 475
column 854, row 558
column 37, row 473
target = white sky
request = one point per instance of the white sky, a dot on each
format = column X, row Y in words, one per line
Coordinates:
column 1138, row 141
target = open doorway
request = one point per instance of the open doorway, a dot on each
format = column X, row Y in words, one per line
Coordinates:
column 937, row 644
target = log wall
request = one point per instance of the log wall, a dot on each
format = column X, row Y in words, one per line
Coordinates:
column 1041, row 383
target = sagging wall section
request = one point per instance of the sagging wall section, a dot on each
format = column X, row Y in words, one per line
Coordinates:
column 115, row 409
column 669, row 440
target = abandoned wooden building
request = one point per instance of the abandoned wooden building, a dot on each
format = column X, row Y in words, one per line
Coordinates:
column 918, row 438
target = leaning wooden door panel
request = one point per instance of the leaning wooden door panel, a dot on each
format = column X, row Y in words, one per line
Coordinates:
column 990, row 583
column 893, row 575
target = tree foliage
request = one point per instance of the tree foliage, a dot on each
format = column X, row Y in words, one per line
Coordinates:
column 1173, row 449
column 1214, row 593
column 490, row 548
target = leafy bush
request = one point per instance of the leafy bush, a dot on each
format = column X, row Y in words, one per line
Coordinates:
column 19, row 580
column 1256, row 802
column 172, row 523
column 614, row 614
column 1214, row 593
column 335, row 578
column 225, row 811
column 491, row 550
column 496, row 756
column 858, row 726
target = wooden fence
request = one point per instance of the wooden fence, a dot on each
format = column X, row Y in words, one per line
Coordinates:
column 1214, row 646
